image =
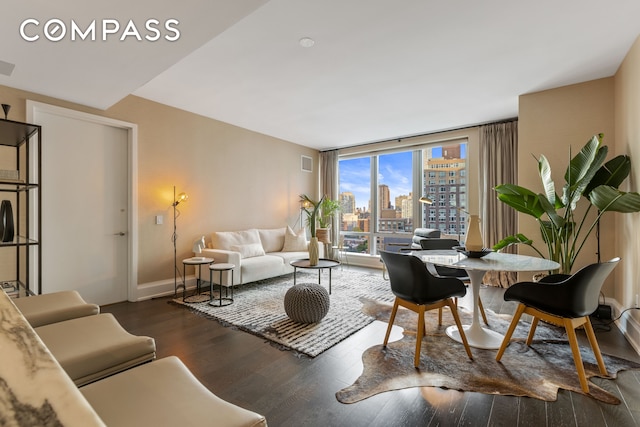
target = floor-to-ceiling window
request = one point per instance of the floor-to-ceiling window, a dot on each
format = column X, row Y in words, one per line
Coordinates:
column 355, row 203
column 380, row 194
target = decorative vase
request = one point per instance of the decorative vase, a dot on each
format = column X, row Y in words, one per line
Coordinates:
column 473, row 241
column 314, row 255
column 7, row 231
column 323, row 235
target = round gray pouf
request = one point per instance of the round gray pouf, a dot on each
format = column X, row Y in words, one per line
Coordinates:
column 306, row 303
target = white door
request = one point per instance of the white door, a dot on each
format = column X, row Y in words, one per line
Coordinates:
column 84, row 207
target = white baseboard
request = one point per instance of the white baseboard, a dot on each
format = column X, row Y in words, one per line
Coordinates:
column 162, row 288
column 629, row 326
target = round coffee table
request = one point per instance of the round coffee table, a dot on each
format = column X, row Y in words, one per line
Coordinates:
column 323, row 263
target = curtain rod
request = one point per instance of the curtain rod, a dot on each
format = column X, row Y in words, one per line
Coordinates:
column 513, row 119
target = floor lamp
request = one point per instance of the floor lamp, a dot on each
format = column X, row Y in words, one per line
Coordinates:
column 182, row 197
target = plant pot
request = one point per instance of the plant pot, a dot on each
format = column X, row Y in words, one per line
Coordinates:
column 323, row 235
column 314, row 255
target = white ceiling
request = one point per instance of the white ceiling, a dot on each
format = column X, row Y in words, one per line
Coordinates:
column 380, row 69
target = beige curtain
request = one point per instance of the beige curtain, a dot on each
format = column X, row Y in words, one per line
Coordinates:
column 498, row 165
column 329, row 184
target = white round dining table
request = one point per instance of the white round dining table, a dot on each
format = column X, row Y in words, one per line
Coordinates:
column 477, row 335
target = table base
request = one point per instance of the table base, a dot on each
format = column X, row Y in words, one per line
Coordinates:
column 477, row 336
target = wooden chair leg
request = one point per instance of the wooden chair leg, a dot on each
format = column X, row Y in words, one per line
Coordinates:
column 454, row 311
column 594, row 346
column 391, row 319
column 532, row 330
column 440, row 316
column 577, row 359
column 419, row 335
column 482, row 313
column 512, row 328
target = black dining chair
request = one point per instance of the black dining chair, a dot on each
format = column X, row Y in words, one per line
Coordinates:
column 416, row 289
column 438, row 244
column 568, row 302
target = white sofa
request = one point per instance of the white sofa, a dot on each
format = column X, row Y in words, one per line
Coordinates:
column 257, row 253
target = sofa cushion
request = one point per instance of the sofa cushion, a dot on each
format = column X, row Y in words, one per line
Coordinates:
column 94, row 347
column 261, row 267
column 226, row 239
column 295, row 242
column 55, row 307
column 163, row 393
column 248, row 251
column 287, row 257
column 272, row 239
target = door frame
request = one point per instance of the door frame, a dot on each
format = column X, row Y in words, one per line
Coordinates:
column 132, row 179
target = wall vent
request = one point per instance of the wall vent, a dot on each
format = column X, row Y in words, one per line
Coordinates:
column 307, row 163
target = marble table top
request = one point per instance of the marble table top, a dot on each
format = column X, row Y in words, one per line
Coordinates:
column 494, row 261
column 34, row 389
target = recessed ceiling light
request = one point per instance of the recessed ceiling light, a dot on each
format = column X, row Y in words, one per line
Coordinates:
column 307, row 42
column 6, row 68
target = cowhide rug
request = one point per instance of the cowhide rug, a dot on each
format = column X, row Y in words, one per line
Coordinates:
column 537, row 371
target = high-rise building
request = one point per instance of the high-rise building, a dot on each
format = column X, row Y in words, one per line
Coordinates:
column 445, row 182
column 347, row 202
column 384, row 196
column 404, row 206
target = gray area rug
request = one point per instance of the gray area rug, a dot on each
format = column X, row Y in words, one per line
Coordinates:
column 537, row 371
column 258, row 308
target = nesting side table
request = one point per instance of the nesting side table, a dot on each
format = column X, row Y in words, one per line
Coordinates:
column 226, row 300
column 196, row 262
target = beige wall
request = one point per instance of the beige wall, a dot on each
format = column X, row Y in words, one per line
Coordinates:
column 552, row 123
column 235, row 178
column 627, row 128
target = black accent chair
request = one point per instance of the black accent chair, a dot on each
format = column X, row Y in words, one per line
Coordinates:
column 416, row 289
column 420, row 234
column 568, row 302
column 438, row 244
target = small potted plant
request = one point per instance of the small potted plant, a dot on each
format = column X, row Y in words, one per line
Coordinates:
column 328, row 209
column 312, row 209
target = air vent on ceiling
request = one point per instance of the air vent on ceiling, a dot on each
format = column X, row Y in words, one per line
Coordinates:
column 307, row 163
column 6, row 68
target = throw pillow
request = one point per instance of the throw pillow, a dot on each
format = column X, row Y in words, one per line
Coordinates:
column 272, row 239
column 248, row 251
column 225, row 239
column 295, row 242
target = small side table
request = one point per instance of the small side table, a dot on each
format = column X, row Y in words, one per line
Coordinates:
column 323, row 263
column 196, row 262
column 226, row 300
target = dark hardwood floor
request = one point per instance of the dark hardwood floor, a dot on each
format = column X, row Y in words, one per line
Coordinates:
column 300, row 391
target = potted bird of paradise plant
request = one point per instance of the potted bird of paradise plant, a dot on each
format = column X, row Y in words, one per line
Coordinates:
column 564, row 232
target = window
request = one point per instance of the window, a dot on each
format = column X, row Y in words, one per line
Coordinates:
column 380, row 195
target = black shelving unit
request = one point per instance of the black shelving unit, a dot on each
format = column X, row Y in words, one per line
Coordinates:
column 23, row 142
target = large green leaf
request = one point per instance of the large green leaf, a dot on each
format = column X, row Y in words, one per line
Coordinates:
column 549, row 209
column 573, row 190
column 612, row 173
column 579, row 165
column 514, row 240
column 521, row 199
column 607, row 198
column 544, row 169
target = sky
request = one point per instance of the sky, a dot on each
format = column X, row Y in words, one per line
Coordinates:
column 394, row 170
